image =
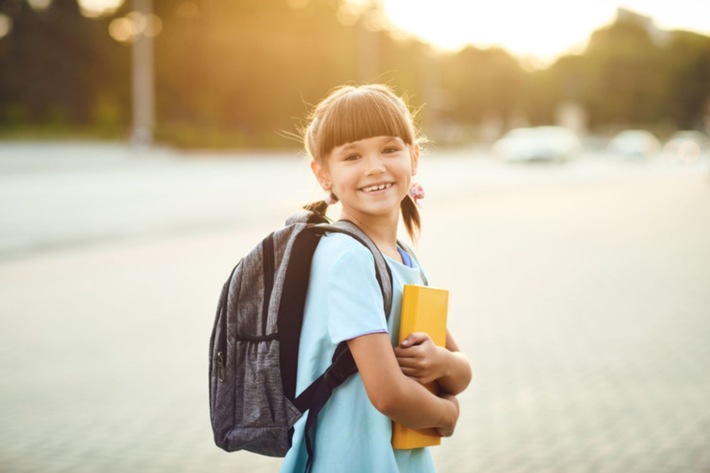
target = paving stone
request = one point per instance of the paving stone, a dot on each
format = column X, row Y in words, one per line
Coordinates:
column 582, row 305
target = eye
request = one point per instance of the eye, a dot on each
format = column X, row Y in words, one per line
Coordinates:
column 351, row 157
column 391, row 149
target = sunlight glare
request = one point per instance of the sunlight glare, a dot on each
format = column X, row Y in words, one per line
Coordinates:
column 348, row 15
column 523, row 28
column 543, row 29
column 97, row 8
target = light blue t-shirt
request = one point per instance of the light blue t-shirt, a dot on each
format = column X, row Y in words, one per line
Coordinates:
column 344, row 301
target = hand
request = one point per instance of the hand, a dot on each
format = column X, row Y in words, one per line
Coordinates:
column 420, row 359
column 449, row 430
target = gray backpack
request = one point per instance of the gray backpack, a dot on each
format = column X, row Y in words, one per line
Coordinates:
column 255, row 339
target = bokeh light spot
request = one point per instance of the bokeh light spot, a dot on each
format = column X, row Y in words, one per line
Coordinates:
column 5, row 25
column 98, row 8
column 39, row 5
column 128, row 28
column 121, row 30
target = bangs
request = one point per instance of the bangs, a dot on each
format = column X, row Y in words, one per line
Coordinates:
column 358, row 114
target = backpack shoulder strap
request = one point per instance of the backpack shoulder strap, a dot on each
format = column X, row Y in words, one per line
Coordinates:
column 343, row 365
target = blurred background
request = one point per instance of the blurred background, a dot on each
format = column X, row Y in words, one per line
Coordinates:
column 234, row 74
column 145, row 146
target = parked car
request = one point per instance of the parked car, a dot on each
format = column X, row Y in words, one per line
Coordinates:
column 686, row 146
column 542, row 143
column 634, row 144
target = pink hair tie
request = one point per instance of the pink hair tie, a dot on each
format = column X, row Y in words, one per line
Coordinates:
column 330, row 199
column 416, row 192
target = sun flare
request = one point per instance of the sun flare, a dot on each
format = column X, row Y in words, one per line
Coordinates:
column 543, row 29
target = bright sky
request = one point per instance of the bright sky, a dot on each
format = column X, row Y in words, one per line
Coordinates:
column 542, row 29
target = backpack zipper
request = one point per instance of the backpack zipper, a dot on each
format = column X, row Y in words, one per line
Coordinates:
column 222, row 341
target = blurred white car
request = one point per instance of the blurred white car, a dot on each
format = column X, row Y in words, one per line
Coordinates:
column 542, row 143
column 634, row 144
column 686, row 146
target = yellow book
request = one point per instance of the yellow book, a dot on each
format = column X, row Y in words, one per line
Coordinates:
column 424, row 309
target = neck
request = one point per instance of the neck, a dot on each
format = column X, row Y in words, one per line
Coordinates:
column 382, row 231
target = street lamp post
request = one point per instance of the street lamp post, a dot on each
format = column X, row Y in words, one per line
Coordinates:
column 143, row 93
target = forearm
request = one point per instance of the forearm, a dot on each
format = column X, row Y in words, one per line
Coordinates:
column 395, row 395
column 412, row 405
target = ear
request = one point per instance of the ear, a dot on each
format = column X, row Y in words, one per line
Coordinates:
column 322, row 175
column 414, row 150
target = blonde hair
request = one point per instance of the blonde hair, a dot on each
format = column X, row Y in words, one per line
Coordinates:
column 353, row 113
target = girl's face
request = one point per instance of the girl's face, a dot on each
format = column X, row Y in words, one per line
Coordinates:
column 370, row 177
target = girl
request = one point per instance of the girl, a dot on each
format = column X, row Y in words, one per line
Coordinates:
column 364, row 152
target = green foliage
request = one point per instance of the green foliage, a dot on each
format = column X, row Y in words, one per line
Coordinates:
column 481, row 83
column 622, row 63
column 15, row 115
column 244, row 74
column 687, row 93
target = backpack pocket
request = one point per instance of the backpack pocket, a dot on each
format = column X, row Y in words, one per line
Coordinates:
column 262, row 416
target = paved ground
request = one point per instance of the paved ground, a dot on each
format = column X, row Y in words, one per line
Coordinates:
column 580, row 292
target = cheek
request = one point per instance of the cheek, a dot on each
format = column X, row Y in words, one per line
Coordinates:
column 407, row 171
column 342, row 178
column 407, row 179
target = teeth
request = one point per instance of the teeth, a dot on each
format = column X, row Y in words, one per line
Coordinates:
column 378, row 187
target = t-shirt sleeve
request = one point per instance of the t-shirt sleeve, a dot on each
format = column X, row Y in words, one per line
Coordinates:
column 355, row 305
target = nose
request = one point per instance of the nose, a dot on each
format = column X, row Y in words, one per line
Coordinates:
column 375, row 164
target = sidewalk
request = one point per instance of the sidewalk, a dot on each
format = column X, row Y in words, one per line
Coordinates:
column 73, row 194
column 580, row 295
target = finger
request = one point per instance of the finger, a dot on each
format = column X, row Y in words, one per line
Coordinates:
column 407, row 363
column 405, row 352
column 413, row 359
column 414, row 339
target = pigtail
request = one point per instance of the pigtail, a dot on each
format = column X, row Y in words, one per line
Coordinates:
column 321, row 206
column 411, row 217
column 352, row 113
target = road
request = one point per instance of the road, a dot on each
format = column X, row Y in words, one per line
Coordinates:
column 580, row 292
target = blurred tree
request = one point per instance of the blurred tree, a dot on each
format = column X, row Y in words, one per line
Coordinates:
column 565, row 80
column 243, row 73
column 621, row 77
column 54, row 65
column 400, row 64
column 482, row 82
column 687, row 90
column 248, row 67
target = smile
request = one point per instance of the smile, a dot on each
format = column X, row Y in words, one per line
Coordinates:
column 377, row 187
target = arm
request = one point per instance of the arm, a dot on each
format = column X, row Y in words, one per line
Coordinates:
column 395, row 395
column 425, row 362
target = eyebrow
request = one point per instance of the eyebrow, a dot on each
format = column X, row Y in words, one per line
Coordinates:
column 394, row 139
column 385, row 140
